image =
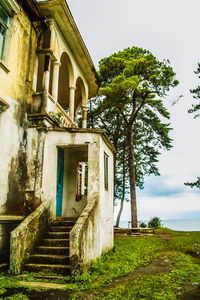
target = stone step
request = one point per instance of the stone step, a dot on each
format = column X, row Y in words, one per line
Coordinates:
column 63, row 223
column 46, row 268
column 52, row 250
column 56, row 235
column 55, row 242
column 60, row 228
column 49, row 259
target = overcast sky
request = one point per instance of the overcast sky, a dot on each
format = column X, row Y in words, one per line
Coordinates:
column 170, row 29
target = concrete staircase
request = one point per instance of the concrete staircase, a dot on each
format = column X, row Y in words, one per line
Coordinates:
column 52, row 254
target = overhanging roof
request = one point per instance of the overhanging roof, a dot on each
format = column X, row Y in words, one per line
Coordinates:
column 33, row 9
column 60, row 12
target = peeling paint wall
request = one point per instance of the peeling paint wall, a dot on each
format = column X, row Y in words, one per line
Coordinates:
column 106, row 198
column 16, row 75
column 98, row 228
column 16, row 90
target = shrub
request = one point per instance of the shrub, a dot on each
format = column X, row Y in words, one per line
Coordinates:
column 154, row 222
column 143, row 225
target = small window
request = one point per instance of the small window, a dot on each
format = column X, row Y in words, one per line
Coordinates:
column 82, row 176
column 105, row 171
column 4, row 20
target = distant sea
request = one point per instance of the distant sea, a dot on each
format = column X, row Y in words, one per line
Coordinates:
column 175, row 224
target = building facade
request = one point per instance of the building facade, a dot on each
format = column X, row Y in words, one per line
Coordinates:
column 49, row 166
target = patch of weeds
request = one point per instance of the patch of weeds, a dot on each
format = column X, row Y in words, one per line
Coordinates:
column 2, row 291
column 126, row 257
column 18, row 296
column 163, row 286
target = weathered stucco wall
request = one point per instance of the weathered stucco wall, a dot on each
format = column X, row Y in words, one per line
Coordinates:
column 106, row 198
column 95, row 225
column 20, row 62
column 65, row 139
column 84, row 237
column 16, row 90
column 24, row 237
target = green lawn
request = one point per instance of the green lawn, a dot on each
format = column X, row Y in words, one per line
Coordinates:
column 163, row 266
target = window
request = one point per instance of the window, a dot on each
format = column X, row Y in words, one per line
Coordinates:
column 4, row 20
column 105, row 171
column 82, row 176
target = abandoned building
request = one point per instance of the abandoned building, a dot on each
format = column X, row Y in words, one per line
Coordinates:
column 56, row 178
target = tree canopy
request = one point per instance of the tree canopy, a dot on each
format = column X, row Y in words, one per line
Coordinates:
column 195, row 109
column 196, row 95
column 133, row 84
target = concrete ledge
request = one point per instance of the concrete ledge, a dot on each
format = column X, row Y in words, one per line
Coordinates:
column 134, row 230
column 11, row 219
column 82, row 244
column 24, row 237
column 3, row 104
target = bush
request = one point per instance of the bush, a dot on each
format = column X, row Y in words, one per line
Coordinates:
column 143, row 225
column 154, row 222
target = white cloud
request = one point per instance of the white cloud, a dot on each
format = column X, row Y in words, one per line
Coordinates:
column 169, row 29
column 186, row 205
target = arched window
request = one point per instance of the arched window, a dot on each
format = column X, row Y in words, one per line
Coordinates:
column 79, row 94
column 65, row 78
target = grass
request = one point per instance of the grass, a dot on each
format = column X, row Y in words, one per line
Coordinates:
column 143, row 267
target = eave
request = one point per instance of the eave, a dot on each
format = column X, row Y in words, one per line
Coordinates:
column 33, row 10
column 59, row 11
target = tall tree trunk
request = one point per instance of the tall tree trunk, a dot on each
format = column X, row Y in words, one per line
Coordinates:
column 131, row 166
column 123, row 188
column 120, row 211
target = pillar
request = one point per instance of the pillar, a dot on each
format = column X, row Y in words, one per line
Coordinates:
column 84, row 116
column 56, row 66
column 71, row 101
column 46, row 74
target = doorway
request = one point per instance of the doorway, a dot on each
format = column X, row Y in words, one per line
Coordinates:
column 60, row 179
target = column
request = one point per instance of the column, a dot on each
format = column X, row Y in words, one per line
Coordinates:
column 46, row 74
column 71, row 102
column 84, row 116
column 56, row 66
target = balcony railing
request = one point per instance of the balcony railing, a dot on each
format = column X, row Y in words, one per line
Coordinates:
column 46, row 104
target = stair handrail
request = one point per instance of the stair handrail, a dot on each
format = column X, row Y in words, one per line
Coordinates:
column 25, row 235
column 79, row 261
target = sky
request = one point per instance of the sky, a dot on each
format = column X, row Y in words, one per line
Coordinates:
column 170, row 30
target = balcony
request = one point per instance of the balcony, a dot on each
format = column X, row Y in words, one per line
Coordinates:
column 47, row 105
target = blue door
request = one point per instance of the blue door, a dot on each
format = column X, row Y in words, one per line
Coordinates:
column 60, row 176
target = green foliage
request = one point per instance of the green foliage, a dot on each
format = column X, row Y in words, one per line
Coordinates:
column 195, row 109
column 2, row 291
column 130, row 108
column 120, row 277
column 194, row 184
column 196, row 95
column 18, row 296
column 113, row 265
column 154, row 268
column 154, row 222
column 143, row 225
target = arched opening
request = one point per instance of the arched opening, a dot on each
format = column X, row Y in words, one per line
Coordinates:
column 65, row 77
column 79, row 95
